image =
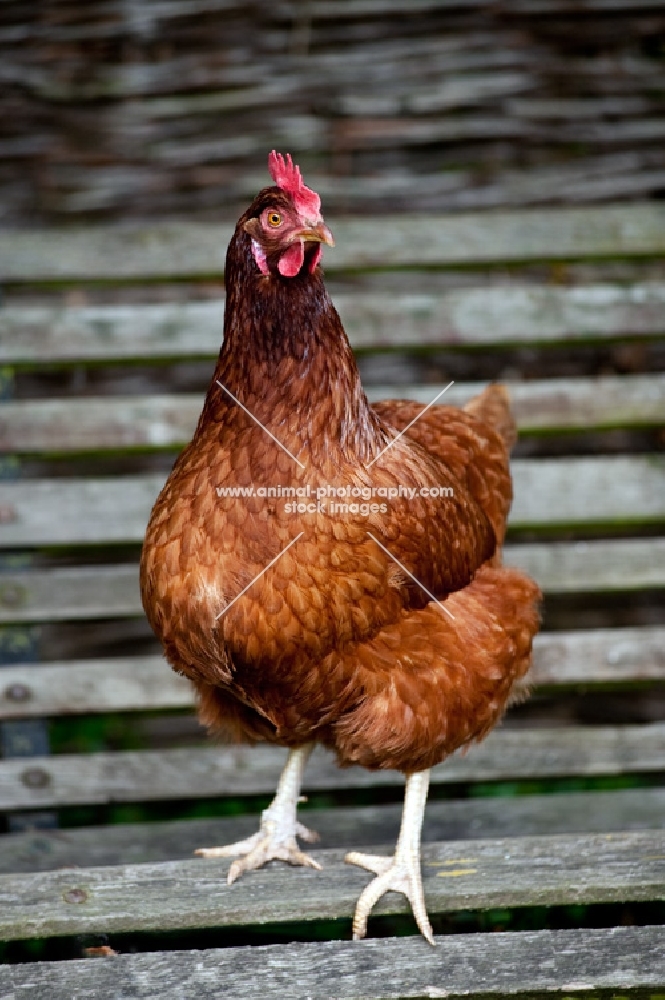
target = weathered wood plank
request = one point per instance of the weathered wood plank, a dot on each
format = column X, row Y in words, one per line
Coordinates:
column 198, row 249
column 599, row 656
column 72, row 779
column 135, row 683
column 79, row 425
column 578, row 567
column 79, row 593
column 114, row 685
column 570, row 491
column 622, row 489
column 359, row 827
column 460, row 318
column 539, row 871
column 619, row 962
column 554, row 405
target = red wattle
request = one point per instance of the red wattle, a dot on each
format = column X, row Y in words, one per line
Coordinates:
column 292, row 260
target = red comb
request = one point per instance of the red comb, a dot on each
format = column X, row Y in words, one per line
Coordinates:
column 287, row 175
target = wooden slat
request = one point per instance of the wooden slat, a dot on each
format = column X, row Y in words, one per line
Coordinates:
column 538, row 871
column 559, row 491
column 571, row 491
column 71, row 779
column 578, row 567
column 599, row 656
column 358, row 828
column 554, row 405
column 620, row 962
column 133, row 683
column 79, row 593
column 144, row 683
column 467, row 317
column 198, row 249
column 146, row 422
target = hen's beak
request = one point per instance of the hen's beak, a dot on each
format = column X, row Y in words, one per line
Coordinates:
column 317, row 234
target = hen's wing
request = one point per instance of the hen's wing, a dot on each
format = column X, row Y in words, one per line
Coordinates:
column 470, row 449
column 429, row 682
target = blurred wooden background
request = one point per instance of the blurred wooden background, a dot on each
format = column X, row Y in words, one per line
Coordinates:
column 120, row 109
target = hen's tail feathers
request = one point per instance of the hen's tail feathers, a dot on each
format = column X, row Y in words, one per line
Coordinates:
column 492, row 406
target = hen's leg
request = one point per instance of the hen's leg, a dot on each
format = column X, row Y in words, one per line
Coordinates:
column 402, row 872
column 276, row 839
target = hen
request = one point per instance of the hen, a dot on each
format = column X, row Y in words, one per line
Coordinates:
column 373, row 617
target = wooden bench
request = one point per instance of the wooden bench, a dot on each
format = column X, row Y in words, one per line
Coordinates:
column 132, row 306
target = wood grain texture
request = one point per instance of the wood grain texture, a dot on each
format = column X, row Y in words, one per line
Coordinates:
column 153, row 422
column 84, row 592
column 330, row 84
column 523, row 871
column 357, row 828
column 579, row 567
column 621, row 961
column 132, row 776
column 548, row 492
column 198, row 249
column 616, row 657
column 464, row 317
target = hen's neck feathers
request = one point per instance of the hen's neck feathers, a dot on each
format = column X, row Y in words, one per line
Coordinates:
column 285, row 350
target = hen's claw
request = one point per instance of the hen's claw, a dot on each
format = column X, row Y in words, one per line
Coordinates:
column 392, row 874
column 271, row 843
column 276, row 840
column 400, row 873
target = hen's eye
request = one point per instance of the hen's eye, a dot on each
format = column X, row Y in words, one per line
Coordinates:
column 274, row 219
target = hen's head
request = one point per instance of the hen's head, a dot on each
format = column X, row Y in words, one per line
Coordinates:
column 285, row 222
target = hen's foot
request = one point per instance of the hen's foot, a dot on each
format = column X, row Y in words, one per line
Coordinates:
column 396, row 875
column 402, row 872
column 275, row 841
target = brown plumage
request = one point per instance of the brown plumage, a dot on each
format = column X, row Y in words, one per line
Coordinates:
column 335, row 643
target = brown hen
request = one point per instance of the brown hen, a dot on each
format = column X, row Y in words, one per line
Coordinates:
column 374, row 618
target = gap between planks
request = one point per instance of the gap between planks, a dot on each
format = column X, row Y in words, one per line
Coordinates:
column 350, row 828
